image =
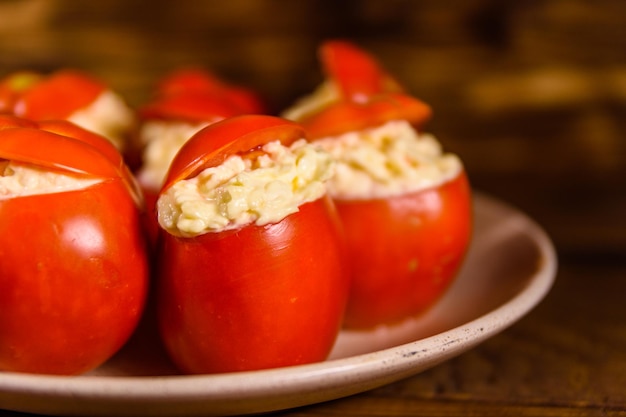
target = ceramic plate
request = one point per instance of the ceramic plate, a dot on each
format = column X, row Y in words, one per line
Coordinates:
column 510, row 267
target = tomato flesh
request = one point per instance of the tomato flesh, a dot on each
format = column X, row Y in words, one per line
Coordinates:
column 257, row 297
column 404, row 251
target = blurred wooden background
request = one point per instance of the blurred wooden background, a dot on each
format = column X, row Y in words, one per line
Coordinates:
column 531, row 94
column 533, row 87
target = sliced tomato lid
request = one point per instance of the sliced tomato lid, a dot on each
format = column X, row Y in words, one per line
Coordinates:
column 189, row 107
column 237, row 135
column 61, row 145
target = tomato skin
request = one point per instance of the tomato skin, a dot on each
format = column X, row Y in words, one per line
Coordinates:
column 257, row 297
column 73, row 278
column 343, row 116
column 192, row 107
column 404, row 251
column 198, row 80
column 357, row 74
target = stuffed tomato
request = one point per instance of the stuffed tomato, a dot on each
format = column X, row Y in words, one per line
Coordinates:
column 252, row 263
column 405, row 204
column 73, row 269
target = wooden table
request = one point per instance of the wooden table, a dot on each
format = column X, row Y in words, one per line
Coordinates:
column 532, row 97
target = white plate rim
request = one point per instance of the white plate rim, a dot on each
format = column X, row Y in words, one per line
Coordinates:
column 284, row 387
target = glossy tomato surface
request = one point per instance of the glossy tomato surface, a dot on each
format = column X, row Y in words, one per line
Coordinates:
column 73, row 278
column 73, row 268
column 404, row 251
column 256, row 297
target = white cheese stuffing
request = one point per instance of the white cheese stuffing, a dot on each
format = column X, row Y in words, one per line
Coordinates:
column 243, row 191
column 388, row 160
column 162, row 140
column 20, row 180
column 108, row 116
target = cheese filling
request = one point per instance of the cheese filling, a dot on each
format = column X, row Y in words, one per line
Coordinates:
column 162, row 140
column 108, row 116
column 20, row 180
column 243, row 191
column 388, row 160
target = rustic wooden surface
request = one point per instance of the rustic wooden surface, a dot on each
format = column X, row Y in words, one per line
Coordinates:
column 531, row 94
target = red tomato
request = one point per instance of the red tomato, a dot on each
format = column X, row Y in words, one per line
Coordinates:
column 192, row 107
column 73, row 268
column 258, row 297
column 404, row 251
column 255, row 297
column 345, row 116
